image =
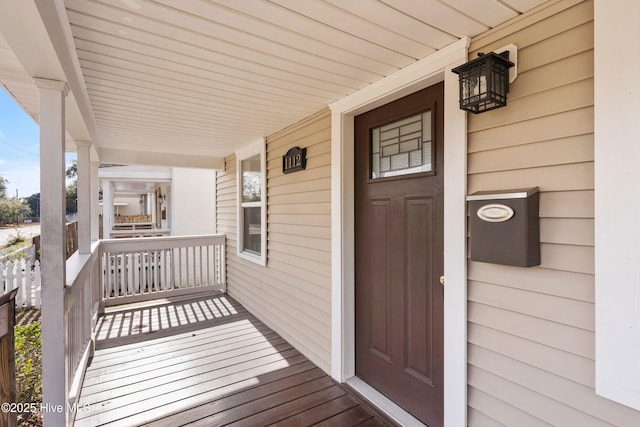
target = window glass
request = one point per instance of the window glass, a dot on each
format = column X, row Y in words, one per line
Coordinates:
column 252, row 236
column 251, row 179
column 402, row 147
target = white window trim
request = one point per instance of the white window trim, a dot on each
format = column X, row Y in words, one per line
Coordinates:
column 424, row 73
column 257, row 147
column 617, row 201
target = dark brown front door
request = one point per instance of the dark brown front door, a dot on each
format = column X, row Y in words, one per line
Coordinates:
column 399, row 251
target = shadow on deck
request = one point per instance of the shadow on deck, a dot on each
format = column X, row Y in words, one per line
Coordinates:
column 206, row 361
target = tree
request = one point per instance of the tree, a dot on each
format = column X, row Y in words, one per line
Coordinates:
column 72, row 188
column 34, row 204
column 12, row 210
column 72, row 198
column 72, row 171
column 3, row 188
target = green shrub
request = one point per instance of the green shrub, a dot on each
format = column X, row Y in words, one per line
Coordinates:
column 28, row 345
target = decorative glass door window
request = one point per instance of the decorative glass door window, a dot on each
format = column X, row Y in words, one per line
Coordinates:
column 402, row 147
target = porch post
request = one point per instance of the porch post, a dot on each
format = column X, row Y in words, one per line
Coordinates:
column 52, row 213
column 107, row 208
column 84, row 197
column 94, row 189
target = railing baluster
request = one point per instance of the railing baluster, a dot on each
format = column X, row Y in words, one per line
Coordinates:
column 136, row 272
column 37, row 283
column 164, row 271
column 122, row 288
column 172, row 264
column 193, row 262
column 149, row 270
column 202, row 264
column 129, row 272
column 180, row 267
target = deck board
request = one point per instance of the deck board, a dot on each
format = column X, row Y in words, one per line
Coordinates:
column 206, row 361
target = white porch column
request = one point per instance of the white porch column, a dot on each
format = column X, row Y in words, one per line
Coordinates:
column 151, row 205
column 52, row 216
column 84, row 197
column 94, row 184
column 107, row 208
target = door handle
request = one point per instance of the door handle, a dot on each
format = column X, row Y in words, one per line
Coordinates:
column 442, row 280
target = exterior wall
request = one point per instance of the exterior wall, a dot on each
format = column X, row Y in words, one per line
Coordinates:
column 292, row 294
column 531, row 333
column 193, row 204
column 132, row 207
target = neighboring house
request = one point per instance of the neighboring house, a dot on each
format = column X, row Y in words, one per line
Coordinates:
column 152, row 200
column 316, row 254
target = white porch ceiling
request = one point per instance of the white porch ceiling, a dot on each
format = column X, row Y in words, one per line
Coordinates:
column 203, row 78
column 134, row 187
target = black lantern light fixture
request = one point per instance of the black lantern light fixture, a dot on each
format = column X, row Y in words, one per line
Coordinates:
column 484, row 82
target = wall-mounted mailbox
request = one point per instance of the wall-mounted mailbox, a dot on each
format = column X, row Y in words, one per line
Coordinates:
column 504, row 227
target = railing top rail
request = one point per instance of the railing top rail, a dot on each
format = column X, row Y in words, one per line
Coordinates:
column 78, row 271
column 78, row 263
column 151, row 243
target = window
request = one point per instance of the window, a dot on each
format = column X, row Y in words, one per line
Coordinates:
column 251, row 178
column 402, row 147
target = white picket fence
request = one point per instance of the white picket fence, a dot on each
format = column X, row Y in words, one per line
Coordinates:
column 24, row 275
column 12, row 254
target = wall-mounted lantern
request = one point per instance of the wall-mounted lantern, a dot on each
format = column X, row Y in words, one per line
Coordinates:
column 484, row 82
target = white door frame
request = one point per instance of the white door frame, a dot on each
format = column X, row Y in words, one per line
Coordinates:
column 424, row 73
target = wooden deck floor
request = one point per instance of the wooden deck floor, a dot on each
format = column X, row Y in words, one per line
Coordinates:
column 206, row 362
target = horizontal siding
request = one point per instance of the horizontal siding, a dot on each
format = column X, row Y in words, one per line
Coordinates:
column 563, row 284
column 495, row 411
column 292, row 294
column 531, row 330
column 561, row 125
column 578, row 397
column 547, row 410
column 552, row 360
column 569, row 150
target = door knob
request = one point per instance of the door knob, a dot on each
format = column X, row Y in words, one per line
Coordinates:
column 442, row 280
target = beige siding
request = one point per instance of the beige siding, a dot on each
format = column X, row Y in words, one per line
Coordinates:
column 292, row 294
column 531, row 331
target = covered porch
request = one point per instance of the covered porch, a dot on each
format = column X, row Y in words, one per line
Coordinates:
column 205, row 360
column 152, row 338
column 235, row 86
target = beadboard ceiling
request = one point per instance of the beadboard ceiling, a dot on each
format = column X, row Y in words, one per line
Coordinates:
column 204, row 77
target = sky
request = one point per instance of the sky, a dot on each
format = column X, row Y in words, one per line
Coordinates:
column 20, row 149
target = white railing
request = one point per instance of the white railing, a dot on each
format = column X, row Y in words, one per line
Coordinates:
column 22, row 274
column 146, row 268
column 81, row 304
column 126, row 270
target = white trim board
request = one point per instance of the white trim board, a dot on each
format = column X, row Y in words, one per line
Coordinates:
column 617, row 199
column 393, row 411
column 424, row 73
column 257, row 147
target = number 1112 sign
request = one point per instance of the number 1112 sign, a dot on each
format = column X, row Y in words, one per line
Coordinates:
column 294, row 160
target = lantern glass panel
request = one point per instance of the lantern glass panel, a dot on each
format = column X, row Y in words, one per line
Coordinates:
column 484, row 83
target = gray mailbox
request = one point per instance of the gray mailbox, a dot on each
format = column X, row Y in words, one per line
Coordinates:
column 504, row 227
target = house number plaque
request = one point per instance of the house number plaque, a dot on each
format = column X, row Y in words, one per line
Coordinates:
column 295, row 160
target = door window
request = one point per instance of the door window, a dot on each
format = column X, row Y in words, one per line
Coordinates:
column 402, row 147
